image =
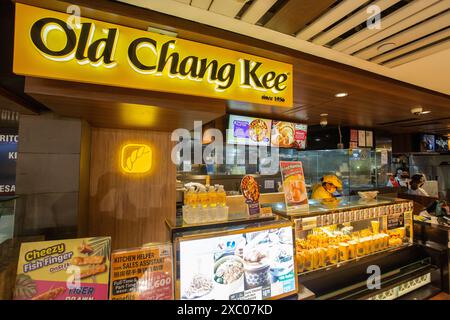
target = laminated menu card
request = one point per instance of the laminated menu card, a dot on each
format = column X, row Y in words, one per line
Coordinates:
column 250, row 190
column 294, row 186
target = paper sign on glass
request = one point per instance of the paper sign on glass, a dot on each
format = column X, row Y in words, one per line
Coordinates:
column 142, row 273
column 294, row 186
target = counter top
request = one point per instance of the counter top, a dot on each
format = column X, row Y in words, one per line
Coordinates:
column 318, row 207
column 178, row 225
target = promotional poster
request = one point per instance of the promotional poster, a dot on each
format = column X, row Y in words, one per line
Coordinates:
column 75, row 269
column 294, row 187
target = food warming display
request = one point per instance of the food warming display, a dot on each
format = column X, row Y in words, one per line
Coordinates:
column 340, row 236
column 250, row 263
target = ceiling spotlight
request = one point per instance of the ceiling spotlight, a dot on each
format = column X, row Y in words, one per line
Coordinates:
column 341, row 94
column 323, row 119
column 419, row 111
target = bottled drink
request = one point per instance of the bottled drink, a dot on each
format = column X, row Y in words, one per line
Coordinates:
column 202, row 197
column 221, row 196
column 212, row 197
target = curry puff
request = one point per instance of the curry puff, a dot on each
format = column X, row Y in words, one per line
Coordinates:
column 93, row 271
column 50, row 294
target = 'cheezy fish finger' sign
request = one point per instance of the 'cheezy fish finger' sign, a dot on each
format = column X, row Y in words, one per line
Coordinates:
column 102, row 53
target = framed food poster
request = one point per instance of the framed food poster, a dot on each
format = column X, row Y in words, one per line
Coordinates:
column 250, row 191
column 288, row 135
column 76, row 269
column 354, row 135
column 294, row 186
column 249, row 131
column 144, row 273
column 253, row 263
column 361, row 138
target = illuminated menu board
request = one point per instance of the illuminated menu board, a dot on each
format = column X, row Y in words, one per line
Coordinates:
column 288, row 135
column 254, row 265
column 249, row 131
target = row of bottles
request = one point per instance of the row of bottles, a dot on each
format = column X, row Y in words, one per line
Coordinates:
column 205, row 204
column 204, row 197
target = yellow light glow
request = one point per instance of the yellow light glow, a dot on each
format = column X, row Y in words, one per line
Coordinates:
column 30, row 61
column 136, row 158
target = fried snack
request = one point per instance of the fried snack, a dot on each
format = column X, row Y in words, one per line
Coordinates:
column 82, row 261
column 50, row 294
column 93, row 271
column 85, row 248
column 250, row 188
column 257, row 130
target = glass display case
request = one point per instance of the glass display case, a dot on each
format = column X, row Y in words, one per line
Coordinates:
column 355, row 167
column 348, row 229
column 251, row 261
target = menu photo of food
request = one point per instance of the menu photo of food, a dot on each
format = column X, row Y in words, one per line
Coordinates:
column 248, row 131
column 249, row 266
column 288, row 135
column 250, row 191
column 294, row 186
column 75, row 269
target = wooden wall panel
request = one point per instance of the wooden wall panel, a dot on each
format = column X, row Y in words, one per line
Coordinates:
column 83, row 195
column 130, row 208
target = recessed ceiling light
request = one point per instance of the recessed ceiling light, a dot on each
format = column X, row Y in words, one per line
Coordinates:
column 425, row 112
column 386, row 47
column 323, row 114
column 341, row 94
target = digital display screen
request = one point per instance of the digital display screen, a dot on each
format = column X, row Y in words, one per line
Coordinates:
column 247, row 266
column 427, row 142
column 249, row 131
column 441, row 144
column 288, row 135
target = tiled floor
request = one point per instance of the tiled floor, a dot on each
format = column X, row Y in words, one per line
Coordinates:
column 441, row 296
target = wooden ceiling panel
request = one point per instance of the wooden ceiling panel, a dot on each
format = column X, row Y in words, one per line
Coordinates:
column 256, row 10
column 331, row 16
column 413, row 46
column 385, row 32
column 227, row 7
column 113, row 107
column 202, row 4
column 443, row 45
column 296, row 14
column 399, row 15
column 421, row 30
column 351, row 22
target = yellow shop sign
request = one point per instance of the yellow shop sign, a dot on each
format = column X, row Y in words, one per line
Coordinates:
column 49, row 44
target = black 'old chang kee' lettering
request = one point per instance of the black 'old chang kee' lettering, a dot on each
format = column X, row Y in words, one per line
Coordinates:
column 195, row 68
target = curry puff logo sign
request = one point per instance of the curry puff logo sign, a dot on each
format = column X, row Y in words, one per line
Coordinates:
column 107, row 54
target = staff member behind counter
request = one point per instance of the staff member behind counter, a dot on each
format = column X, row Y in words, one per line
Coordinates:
column 416, row 184
column 326, row 189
